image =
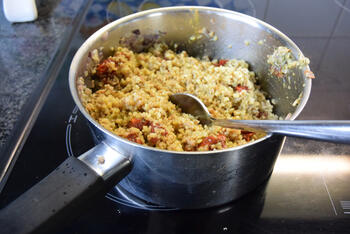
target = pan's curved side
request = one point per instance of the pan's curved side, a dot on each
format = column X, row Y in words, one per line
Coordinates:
column 198, row 181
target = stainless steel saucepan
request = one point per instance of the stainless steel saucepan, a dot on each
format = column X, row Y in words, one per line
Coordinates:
column 173, row 179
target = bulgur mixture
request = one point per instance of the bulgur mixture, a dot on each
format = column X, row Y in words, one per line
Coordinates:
column 129, row 96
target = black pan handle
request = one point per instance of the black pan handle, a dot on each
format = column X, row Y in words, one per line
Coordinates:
column 61, row 196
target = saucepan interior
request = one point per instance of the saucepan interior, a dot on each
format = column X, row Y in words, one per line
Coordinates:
column 231, row 36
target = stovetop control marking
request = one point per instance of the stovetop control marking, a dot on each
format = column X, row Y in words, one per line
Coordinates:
column 329, row 195
column 72, row 119
column 346, row 206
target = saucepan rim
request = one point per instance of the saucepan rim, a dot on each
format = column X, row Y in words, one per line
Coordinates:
column 83, row 50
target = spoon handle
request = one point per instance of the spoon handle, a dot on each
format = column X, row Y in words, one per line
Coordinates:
column 337, row 131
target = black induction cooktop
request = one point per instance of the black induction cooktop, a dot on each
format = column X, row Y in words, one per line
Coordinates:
column 309, row 189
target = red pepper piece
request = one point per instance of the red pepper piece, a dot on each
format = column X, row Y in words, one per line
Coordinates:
column 209, row 140
column 138, row 123
column 212, row 140
column 240, row 88
column 157, row 125
column 221, row 62
column 134, row 137
column 102, row 68
column 153, row 140
column 247, row 135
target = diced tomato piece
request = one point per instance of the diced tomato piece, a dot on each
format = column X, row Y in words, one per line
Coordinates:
column 157, row 125
column 154, row 140
column 212, row 140
column 134, row 137
column 138, row 123
column 247, row 135
column 209, row 140
column 102, row 69
column 221, row 62
column 240, row 88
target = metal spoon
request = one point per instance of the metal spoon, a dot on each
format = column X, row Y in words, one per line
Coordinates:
column 337, row 131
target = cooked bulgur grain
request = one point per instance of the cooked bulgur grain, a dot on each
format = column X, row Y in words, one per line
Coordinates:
column 129, row 96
